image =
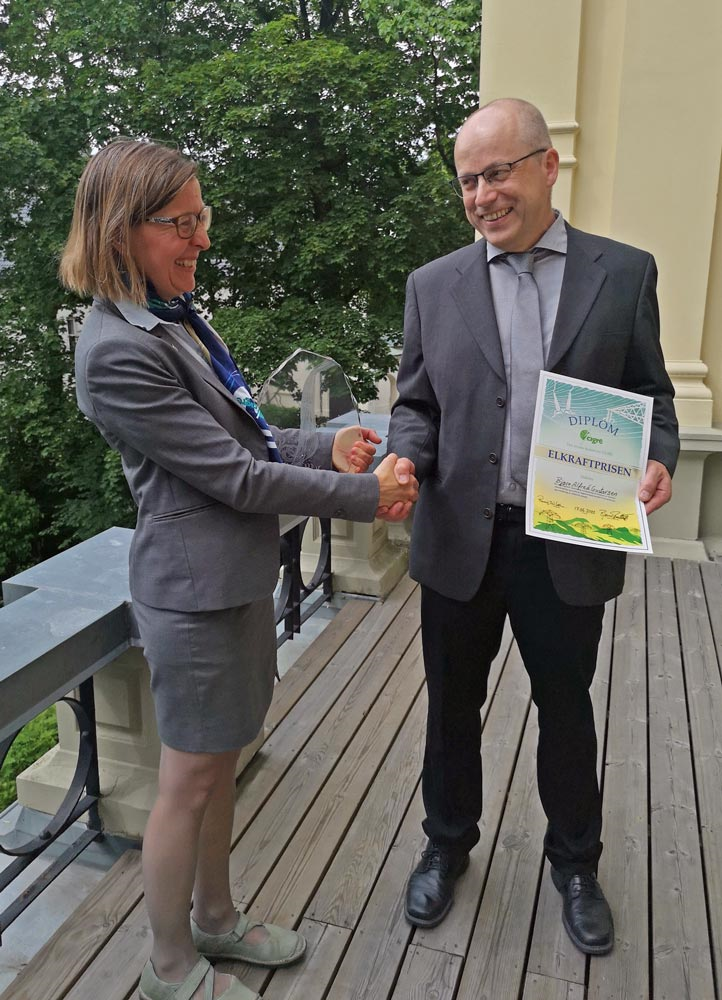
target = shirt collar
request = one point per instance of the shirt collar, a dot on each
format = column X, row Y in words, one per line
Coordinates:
column 137, row 315
column 555, row 238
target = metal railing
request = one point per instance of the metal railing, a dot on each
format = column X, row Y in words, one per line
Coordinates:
column 82, row 797
column 294, row 592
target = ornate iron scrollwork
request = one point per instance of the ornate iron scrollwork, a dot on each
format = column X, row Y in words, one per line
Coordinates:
column 82, row 797
column 294, row 590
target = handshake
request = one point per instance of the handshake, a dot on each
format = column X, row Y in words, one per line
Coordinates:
column 353, row 451
column 399, row 488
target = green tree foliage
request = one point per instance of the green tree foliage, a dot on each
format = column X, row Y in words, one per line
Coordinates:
column 324, row 136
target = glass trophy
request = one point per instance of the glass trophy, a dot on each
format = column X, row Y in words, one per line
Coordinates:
column 309, row 392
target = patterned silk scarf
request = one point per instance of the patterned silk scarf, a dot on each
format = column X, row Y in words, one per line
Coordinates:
column 181, row 310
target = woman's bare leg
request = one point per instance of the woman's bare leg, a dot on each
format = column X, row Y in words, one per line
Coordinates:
column 188, row 783
column 213, row 907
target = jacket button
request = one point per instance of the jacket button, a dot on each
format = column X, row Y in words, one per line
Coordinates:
column 500, row 401
column 493, row 458
column 488, row 513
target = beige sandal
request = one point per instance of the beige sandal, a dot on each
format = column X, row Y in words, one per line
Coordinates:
column 281, row 946
column 152, row 988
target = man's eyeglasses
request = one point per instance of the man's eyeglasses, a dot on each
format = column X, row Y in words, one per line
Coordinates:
column 186, row 224
column 494, row 175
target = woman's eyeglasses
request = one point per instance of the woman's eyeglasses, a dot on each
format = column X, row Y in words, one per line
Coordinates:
column 186, row 224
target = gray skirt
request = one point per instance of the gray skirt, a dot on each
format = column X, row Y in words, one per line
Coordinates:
column 212, row 673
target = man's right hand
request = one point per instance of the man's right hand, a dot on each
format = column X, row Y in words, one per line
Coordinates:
column 393, row 505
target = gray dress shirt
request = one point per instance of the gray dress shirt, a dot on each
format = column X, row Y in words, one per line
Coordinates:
column 550, row 260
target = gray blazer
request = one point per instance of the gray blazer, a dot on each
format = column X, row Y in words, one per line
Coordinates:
column 449, row 418
column 208, row 498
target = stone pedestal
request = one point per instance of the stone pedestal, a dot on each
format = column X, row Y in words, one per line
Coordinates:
column 364, row 559
column 676, row 528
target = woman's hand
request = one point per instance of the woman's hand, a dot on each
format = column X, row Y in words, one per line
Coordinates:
column 399, row 488
column 352, row 450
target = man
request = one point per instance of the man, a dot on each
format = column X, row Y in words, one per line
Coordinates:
column 471, row 342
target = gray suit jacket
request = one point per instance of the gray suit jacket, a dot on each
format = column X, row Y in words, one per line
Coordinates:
column 197, row 466
column 449, row 418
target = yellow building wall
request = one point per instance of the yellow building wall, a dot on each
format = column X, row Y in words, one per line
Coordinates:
column 632, row 92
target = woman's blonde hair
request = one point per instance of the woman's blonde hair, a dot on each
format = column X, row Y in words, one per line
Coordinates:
column 122, row 186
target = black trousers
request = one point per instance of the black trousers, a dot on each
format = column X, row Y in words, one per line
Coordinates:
column 558, row 644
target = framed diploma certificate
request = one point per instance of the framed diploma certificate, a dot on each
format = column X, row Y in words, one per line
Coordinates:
column 589, row 452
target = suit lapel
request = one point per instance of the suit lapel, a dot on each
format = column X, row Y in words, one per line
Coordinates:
column 142, row 319
column 583, row 277
column 471, row 290
column 211, row 379
column 202, row 368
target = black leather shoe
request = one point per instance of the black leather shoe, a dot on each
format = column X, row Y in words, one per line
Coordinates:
column 430, row 890
column 586, row 915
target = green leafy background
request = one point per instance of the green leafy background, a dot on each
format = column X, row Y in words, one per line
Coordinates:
column 324, row 135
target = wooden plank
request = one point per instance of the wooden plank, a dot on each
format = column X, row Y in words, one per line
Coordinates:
column 539, row 987
column 281, row 749
column 501, row 737
column 353, row 872
column 495, row 964
column 601, row 685
column 712, row 583
column 303, row 672
column 126, row 951
column 354, row 868
column 271, row 830
column 325, row 946
column 384, row 615
column 295, row 875
column 680, row 935
column 552, row 953
column 428, row 975
column 377, row 949
column 704, row 698
column 308, row 981
column 623, row 868
column 63, row 958
column 114, row 973
column 353, row 820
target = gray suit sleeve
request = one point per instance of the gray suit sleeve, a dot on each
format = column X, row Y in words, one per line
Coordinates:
column 136, row 400
column 311, row 450
column 414, row 427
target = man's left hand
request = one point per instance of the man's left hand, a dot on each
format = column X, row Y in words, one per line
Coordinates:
column 656, row 487
column 352, row 449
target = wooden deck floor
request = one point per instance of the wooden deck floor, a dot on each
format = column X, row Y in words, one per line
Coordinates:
column 328, row 823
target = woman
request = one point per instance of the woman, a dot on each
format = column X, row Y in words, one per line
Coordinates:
column 209, row 478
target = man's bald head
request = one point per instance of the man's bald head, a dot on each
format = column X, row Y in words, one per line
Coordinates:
column 526, row 120
column 510, row 206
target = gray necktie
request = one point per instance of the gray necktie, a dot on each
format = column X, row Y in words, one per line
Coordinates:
column 527, row 360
